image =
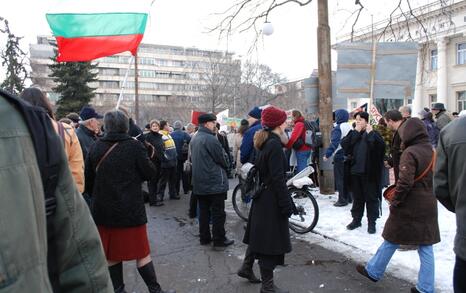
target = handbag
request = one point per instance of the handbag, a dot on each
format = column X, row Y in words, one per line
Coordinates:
column 389, row 192
column 188, row 165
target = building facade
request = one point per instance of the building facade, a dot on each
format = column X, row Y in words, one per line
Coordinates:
column 172, row 80
column 440, row 31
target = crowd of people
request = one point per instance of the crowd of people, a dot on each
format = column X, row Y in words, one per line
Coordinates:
column 105, row 160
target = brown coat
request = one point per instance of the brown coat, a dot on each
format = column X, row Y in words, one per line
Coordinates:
column 413, row 215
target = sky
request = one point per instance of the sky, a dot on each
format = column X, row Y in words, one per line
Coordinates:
column 291, row 50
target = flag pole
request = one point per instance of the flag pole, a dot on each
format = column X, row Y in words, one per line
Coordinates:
column 124, row 82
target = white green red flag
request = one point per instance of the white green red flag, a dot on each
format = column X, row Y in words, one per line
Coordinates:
column 90, row 29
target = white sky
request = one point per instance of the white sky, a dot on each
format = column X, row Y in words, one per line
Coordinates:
column 291, row 50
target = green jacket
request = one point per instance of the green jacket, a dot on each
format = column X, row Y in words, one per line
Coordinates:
column 450, row 177
column 23, row 242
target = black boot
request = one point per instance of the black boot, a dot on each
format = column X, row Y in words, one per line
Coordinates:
column 116, row 274
column 267, row 282
column 246, row 270
column 371, row 227
column 147, row 273
column 354, row 224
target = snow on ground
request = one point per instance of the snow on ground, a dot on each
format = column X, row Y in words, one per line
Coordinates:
column 360, row 246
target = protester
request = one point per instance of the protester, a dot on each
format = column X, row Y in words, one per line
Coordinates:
column 441, row 116
column 154, row 138
column 238, row 139
column 394, row 120
column 210, row 182
column 247, row 152
column 387, row 135
column 297, row 141
column 267, row 233
column 450, row 189
column 222, row 138
column 168, row 164
column 66, row 132
column 115, row 168
column 44, row 248
column 191, row 129
column 88, row 128
column 340, row 130
column 431, row 127
column 181, row 140
column 413, row 212
column 405, row 111
column 365, row 149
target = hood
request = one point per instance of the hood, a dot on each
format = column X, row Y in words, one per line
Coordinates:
column 341, row 116
column 413, row 131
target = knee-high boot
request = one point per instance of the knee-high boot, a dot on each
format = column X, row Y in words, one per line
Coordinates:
column 267, row 282
column 116, row 274
column 147, row 273
column 246, row 270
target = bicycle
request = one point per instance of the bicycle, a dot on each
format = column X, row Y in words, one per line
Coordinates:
column 306, row 204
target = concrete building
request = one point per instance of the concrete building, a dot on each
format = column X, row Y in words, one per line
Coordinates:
column 172, row 80
column 440, row 31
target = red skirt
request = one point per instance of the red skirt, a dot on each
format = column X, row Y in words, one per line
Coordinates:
column 124, row 243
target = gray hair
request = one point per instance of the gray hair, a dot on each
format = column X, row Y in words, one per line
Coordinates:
column 405, row 109
column 116, row 121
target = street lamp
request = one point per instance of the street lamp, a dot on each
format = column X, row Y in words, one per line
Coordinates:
column 267, row 28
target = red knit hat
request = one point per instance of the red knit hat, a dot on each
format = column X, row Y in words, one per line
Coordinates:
column 273, row 117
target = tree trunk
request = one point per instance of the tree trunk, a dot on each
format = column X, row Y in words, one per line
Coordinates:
column 325, row 90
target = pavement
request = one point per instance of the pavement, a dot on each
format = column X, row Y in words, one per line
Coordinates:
column 181, row 263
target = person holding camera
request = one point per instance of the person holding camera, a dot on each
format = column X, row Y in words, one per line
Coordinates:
column 365, row 149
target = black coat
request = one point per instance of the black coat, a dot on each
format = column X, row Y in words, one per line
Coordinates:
column 116, row 186
column 86, row 139
column 267, row 230
column 155, row 139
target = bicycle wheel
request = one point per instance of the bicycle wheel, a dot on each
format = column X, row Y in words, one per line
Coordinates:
column 307, row 219
column 241, row 202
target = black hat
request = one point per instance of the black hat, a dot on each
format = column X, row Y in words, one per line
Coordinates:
column 204, row 118
column 88, row 113
column 438, row 106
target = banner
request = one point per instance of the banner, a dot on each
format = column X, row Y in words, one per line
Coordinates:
column 194, row 116
column 375, row 114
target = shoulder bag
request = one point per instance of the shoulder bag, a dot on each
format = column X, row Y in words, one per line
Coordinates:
column 389, row 192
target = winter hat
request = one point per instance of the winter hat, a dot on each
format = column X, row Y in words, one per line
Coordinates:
column 244, row 122
column 89, row 113
column 438, row 106
column 204, row 118
column 423, row 113
column 73, row 117
column 177, row 124
column 255, row 113
column 273, row 117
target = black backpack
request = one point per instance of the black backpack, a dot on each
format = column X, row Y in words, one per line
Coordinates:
column 253, row 185
column 47, row 145
column 313, row 134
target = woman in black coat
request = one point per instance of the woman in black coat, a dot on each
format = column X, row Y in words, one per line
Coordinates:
column 364, row 149
column 154, row 139
column 115, row 167
column 267, row 230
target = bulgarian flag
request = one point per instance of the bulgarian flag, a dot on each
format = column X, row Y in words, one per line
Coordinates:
column 90, row 29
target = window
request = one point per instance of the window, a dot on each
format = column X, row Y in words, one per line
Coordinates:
column 432, row 99
column 461, row 98
column 461, row 53
column 433, row 59
column 354, row 105
column 384, row 105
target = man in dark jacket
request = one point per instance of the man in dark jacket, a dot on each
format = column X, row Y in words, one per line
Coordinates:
column 394, row 120
column 247, row 153
column 88, row 129
column 450, row 189
column 340, row 130
column 168, row 164
column 441, row 116
column 181, row 139
column 210, row 182
column 366, row 149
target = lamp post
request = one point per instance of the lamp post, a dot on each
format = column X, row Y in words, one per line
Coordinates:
column 267, row 28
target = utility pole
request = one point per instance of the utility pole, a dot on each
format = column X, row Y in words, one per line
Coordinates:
column 325, row 91
column 136, row 89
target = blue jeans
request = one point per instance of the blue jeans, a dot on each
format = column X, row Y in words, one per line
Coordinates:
column 302, row 158
column 426, row 277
